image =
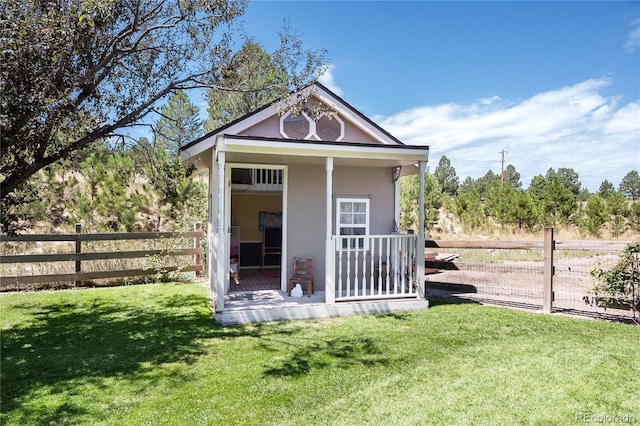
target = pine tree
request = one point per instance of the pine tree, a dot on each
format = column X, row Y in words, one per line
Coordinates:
column 512, row 177
column 114, row 202
column 498, row 203
column 179, row 123
column 606, row 189
column 467, row 185
column 468, row 207
column 630, row 185
column 634, row 216
column 569, row 179
column 256, row 78
column 445, row 175
column 596, row 215
column 173, row 190
column 525, row 211
column 484, row 183
column 617, row 209
column 409, row 196
column 558, row 202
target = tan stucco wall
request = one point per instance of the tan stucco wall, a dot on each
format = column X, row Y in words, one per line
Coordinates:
column 307, row 209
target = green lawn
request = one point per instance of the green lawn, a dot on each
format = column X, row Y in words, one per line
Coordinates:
column 151, row 354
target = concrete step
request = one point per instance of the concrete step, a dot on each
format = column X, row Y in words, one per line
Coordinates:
column 254, row 314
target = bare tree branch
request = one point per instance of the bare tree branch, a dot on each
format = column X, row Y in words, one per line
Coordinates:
column 74, row 73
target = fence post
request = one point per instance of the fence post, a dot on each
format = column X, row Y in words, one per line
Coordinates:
column 78, row 251
column 197, row 226
column 549, row 246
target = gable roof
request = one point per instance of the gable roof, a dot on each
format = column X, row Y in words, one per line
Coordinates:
column 356, row 113
column 323, row 94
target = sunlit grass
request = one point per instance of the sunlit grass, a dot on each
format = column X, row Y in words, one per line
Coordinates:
column 151, row 354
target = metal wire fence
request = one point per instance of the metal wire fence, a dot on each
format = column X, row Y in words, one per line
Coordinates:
column 514, row 276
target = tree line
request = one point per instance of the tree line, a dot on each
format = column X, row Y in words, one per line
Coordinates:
column 142, row 185
column 77, row 75
column 494, row 200
column 138, row 187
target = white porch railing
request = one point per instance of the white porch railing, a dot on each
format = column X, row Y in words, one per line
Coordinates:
column 267, row 179
column 259, row 180
column 375, row 266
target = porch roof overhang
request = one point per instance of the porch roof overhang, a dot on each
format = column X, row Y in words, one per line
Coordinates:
column 260, row 150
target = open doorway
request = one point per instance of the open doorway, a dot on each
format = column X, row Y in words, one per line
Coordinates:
column 257, row 227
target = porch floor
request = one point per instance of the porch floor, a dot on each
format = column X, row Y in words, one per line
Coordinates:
column 274, row 305
column 256, row 279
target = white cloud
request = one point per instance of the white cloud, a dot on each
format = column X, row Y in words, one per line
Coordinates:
column 624, row 120
column 575, row 126
column 328, row 80
column 491, row 100
column 633, row 38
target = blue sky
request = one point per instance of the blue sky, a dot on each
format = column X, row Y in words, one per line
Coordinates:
column 554, row 84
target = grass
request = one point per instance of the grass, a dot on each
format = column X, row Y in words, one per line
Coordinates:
column 151, row 354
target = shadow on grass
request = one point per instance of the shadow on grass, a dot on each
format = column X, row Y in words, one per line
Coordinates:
column 444, row 295
column 97, row 338
column 333, row 353
column 64, row 412
column 70, row 343
column 399, row 316
column 132, row 337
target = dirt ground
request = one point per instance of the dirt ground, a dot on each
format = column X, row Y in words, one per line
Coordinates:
column 520, row 284
column 571, row 274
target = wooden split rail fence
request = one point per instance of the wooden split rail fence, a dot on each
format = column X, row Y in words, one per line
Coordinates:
column 197, row 264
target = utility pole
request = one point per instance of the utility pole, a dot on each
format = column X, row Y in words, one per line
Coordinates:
column 502, row 168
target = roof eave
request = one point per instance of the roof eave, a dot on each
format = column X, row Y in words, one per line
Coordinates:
column 312, row 148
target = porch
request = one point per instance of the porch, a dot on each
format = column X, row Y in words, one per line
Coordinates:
column 275, row 305
column 371, row 274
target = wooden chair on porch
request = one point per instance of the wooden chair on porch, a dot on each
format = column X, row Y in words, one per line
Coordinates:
column 303, row 268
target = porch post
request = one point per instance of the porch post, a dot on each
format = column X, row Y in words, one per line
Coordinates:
column 329, row 254
column 420, row 242
column 220, row 246
column 396, row 198
column 212, row 263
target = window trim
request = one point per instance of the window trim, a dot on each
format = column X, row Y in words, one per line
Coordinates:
column 303, row 115
column 365, row 226
column 313, row 132
column 338, row 120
